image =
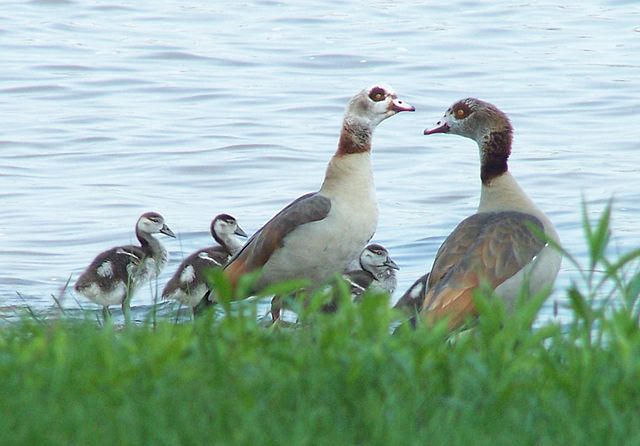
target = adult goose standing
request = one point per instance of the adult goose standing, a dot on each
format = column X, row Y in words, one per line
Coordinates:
column 189, row 283
column 318, row 234
column 114, row 275
column 500, row 245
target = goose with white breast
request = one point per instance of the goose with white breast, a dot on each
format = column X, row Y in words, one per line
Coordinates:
column 320, row 233
column 114, row 275
column 189, row 283
column 506, row 243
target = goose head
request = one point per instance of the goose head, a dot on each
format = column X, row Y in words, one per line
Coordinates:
column 153, row 223
column 474, row 119
column 225, row 230
column 487, row 125
column 376, row 260
column 364, row 112
column 375, row 104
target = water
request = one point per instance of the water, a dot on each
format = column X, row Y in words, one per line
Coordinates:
column 192, row 108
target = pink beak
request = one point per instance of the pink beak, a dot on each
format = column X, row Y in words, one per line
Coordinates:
column 399, row 106
column 440, row 128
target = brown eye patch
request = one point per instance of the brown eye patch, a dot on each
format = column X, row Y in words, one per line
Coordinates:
column 461, row 110
column 377, row 94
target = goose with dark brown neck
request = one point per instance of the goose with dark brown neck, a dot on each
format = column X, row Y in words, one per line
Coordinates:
column 189, row 285
column 318, row 234
column 500, row 244
column 114, row 275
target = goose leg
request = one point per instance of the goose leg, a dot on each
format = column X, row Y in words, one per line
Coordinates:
column 106, row 314
column 276, row 306
column 126, row 309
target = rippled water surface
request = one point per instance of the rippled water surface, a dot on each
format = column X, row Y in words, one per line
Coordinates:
column 192, row 108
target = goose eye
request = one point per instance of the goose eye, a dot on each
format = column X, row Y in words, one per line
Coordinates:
column 460, row 113
column 377, row 94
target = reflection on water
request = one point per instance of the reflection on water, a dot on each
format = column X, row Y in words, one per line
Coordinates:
column 196, row 108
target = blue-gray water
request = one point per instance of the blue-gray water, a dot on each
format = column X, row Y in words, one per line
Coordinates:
column 192, row 108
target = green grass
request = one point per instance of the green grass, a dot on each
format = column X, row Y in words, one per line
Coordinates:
column 339, row 379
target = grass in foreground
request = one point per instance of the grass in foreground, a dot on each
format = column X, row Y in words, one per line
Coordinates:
column 339, row 379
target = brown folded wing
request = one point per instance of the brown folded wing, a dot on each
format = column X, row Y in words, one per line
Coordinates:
column 261, row 246
column 490, row 247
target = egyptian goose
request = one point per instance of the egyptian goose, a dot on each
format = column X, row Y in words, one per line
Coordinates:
column 411, row 301
column 320, row 233
column 378, row 271
column 500, row 244
column 114, row 275
column 189, row 285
